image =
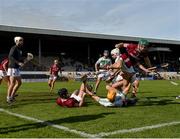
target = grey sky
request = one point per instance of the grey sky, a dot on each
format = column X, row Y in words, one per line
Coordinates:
column 144, row 18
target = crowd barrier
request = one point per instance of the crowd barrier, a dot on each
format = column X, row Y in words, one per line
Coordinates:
column 42, row 76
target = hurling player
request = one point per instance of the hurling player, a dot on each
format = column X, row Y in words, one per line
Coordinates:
column 3, row 71
column 54, row 69
column 137, row 52
column 76, row 99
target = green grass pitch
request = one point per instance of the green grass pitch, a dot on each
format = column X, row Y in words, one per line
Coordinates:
column 156, row 105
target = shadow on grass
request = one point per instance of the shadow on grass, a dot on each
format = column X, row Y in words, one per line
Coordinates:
column 22, row 101
column 40, row 94
column 72, row 119
column 158, row 100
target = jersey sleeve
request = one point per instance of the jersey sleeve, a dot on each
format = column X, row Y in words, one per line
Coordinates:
column 98, row 61
column 59, row 101
column 11, row 54
column 50, row 70
column 5, row 64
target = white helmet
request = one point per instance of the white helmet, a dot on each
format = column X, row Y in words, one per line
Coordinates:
column 17, row 38
column 115, row 51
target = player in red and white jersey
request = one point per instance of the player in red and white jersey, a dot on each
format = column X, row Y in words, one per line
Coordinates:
column 64, row 100
column 137, row 52
column 3, row 70
column 54, row 70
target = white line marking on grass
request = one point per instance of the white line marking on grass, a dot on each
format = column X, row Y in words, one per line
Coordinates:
column 174, row 83
column 102, row 134
column 84, row 134
column 81, row 133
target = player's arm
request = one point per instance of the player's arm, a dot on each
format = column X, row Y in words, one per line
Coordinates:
column 50, row 71
column 97, row 65
column 82, row 87
column 5, row 65
column 121, row 45
column 117, row 65
column 143, row 68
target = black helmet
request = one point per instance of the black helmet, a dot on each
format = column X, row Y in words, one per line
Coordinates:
column 63, row 92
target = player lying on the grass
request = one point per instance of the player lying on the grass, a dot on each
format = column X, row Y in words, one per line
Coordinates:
column 3, row 71
column 101, row 68
column 114, row 99
column 76, row 99
column 54, row 69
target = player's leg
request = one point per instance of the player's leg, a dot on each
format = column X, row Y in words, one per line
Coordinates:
column 82, row 95
column 135, row 86
column 12, row 82
column 16, row 86
column 76, row 92
column 53, row 83
column 49, row 82
column 6, row 79
column 97, row 83
column 128, row 78
column 116, row 85
column 96, row 98
column 123, row 86
column 102, row 101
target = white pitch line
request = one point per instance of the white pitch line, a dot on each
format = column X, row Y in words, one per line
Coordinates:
column 81, row 133
column 84, row 134
column 102, row 134
column 174, row 83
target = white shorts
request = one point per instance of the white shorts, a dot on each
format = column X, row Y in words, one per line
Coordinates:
column 2, row 74
column 52, row 77
column 13, row 72
column 104, row 75
column 105, row 102
column 78, row 98
column 117, row 78
column 118, row 102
